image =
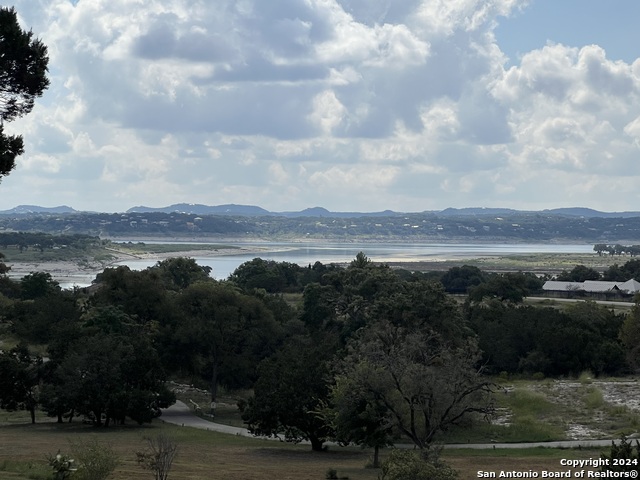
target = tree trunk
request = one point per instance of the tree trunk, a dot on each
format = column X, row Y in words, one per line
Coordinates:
column 214, row 387
column 32, row 411
column 98, row 419
column 376, row 457
column 316, row 443
column 59, row 417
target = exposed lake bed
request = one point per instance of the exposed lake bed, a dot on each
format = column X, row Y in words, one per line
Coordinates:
column 225, row 256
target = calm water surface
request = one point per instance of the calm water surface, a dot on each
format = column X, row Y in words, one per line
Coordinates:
column 309, row 253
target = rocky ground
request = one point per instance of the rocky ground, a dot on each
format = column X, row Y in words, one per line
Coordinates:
column 587, row 408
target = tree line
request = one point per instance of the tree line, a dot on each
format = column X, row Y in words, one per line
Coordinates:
column 630, row 270
column 363, row 354
column 45, row 241
column 616, row 249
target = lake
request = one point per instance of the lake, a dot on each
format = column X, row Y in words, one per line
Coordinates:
column 308, row 253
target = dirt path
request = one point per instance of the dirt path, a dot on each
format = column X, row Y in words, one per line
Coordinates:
column 180, row 414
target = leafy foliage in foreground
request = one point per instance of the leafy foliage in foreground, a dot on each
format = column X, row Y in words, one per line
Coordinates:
column 412, row 465
column 623, row 457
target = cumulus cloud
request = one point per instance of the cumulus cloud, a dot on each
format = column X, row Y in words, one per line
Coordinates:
column 348, row 104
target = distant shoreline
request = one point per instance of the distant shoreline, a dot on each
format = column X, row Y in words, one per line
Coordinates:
column 82, row 272
column 77, row 271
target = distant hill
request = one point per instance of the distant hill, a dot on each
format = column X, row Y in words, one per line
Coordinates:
column 477, row 211
column 253, row 211
column 198, row 209
column 252, row 222
column 321, row 212
column 30, row 209
column 590, row 213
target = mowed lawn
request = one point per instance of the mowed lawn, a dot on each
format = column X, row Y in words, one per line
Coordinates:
column 202, row 455
column 209, row 455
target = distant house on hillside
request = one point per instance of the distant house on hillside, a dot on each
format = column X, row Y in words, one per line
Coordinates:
column 591, row 288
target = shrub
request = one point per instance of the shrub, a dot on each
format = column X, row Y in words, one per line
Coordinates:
column 412, row 465
column 95, row 461
column 63, row 466
column 623, row 457
column 332, row 474
column 158, row 456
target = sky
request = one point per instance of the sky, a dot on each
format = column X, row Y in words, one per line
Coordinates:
column 351, row 105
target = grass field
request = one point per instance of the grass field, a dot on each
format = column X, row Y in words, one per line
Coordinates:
column 143, row 248
column 106, row 254
column 527, row 410
column 538, row 410
column 552, row 263
column 206, row 455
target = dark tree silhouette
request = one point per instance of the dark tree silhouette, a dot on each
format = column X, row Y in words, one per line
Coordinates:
column 23, row 78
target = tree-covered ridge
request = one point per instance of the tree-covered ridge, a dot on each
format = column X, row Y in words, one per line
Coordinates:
column 517, row 226
column 366, row 354
column 44, row 241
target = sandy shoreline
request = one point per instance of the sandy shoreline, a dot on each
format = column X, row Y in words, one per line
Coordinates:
column 82, row 272
column 70, row 272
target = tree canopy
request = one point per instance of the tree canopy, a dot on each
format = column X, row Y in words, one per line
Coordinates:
column 418, row 383
column 23, row 78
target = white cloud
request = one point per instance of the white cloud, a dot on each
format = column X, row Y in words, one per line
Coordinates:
column 348, row 104
column 328, row 112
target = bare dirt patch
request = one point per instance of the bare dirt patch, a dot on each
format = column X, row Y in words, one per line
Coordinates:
column 587, row 410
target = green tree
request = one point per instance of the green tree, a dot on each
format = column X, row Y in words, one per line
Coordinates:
column 357, row 417
column 425, row 384
column 461, row 279
column 361, row 261
column 23, row 78
column 35, row 320
column 600, row 248
column 142, row 294
column 629, row 270
column 512, row 287
column 290, row 392
column 180, row 272
column 108, row 376
column 222, row 334
column 516, row 338
column 38, row 284
column 269, row 275
column 4, row 268
column 579, row 273
column 19, row 380
column 630, row 337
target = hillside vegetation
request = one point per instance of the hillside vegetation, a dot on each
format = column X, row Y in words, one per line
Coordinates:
column 510, row 226
column 361, row 354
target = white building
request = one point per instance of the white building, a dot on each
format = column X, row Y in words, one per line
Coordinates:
column 592, row 286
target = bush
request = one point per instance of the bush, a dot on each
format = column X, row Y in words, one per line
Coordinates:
column 332, row 474
column 412, row 465
column 95, row 461
column 623, row 457
column 158, row 456
column 63, row 466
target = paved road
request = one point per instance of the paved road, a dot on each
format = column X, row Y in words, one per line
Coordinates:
column 181, row 414
column 561, row 444
column 574, row 300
